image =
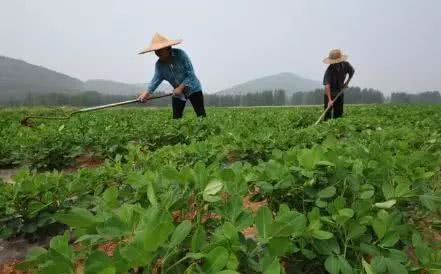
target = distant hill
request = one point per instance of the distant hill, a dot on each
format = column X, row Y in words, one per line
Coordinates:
column 289, row 82
column 111, row 87
column 18, row 78
column 118, row 88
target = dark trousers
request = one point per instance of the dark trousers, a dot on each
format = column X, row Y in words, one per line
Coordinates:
column 336, row 110
column 197, row 101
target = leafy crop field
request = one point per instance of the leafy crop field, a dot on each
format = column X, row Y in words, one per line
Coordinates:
column 255, row 190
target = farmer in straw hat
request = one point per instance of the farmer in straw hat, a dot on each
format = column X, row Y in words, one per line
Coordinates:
column 175, row 67
column 334, row 81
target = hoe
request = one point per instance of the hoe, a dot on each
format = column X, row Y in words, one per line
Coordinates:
column 328, row 108
column 26, row 121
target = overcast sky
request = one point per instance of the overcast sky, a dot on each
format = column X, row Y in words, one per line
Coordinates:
column 395, row 45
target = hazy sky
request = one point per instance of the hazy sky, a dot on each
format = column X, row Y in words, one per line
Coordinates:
column 393, row 44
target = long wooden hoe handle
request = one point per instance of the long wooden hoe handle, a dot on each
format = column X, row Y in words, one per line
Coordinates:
column 328, row 108
column 25, row 121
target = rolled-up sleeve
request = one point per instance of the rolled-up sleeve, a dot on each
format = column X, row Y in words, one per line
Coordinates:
column 156, row 81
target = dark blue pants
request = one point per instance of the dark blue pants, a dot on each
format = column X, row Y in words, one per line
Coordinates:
column 196, row 100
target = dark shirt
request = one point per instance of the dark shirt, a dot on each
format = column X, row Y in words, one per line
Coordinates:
column 335, row 76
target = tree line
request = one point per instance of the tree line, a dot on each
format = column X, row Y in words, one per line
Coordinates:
column 428, row 97
column 353, row 95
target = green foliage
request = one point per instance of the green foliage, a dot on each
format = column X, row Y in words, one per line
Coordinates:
column 347, row 196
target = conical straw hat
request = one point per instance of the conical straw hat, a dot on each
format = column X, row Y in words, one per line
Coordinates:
column 335, row 56
column 159, row 42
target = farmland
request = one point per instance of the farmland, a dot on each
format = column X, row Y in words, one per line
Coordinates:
column 253, row 190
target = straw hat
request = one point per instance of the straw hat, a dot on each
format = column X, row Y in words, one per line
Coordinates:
column 159, row 42
column 335, row 56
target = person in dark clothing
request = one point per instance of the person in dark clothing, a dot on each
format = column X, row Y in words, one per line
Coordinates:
column 334, row 82
column 175, row 67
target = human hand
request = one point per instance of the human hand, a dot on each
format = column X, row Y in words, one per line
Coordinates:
column 144, row 97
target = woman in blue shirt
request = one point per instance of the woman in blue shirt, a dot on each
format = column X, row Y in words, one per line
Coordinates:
column 175, row 67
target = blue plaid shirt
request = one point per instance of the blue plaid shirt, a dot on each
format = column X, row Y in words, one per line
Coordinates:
column 179, row 71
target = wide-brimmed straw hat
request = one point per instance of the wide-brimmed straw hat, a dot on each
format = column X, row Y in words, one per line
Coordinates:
column 159, row 41
column 335, row 56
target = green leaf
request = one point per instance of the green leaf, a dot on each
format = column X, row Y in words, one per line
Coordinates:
column 56, row 265
column 326, row 247
column 121, row 264
column 332, row 265
column 99, row 263
column 367, row 194
column 398, row 255
column 230, row 232
column 217, row 259
column 151, row 194
column 233, row 262
column 228, row 271
column 110, row 197
column 356, row 231
column 388, row 190
column 369, row 249
column 77, row 218
column 379, row 264
column 61, row 245
column 195, row 256
column 322, row 235
column 278, row 247
column 308, row 158
column 320, row 203
column 198, row 239
column 135, row 254
column 35, row 256
column 367, row 267
column 395, row 267
column 273, row 268
column 430, row 201
column 328, row 192
column 213, row 187
column 344, row 215
column 346, row 212
column 211, row 198
column 154, row 229
column 386, row 205
column 344, row 265
column 113, row 228
column 264, row 219
column 137, row 180
column 181, row 232
column 211, row 190
column 290, row 225
column 34, row 208
column 93, row 238
column 245, row 219
column 422, row 250
column 325, row 163
column 390, row 239
column 379, row 227
column 308, row 253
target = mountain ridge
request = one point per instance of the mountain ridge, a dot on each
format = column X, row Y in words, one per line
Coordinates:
column 19, row 78
column 287, row 81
